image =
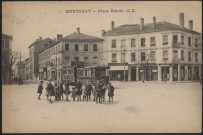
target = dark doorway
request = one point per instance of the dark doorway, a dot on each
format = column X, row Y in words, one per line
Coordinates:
column 175, row 73
column 165, row 73
column 182, row 70
column 189, row 73
column 133, row 73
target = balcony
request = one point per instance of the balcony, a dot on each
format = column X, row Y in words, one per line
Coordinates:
column 176, row 44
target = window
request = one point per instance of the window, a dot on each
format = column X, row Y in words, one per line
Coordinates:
column 182, row 39
column 67, row 58
column 94, row 47
column 152, row 41
column 165, row 39
column 6, row 43
column 165, row 55
column 142, row 56
column 69, row 71
column 189, row 56
column 123, row 43
column 189, row 41
column 95, row 60
column 67, row 47
column 133, row 42
column 196, row 45
column 3, row 44
column 152, row 55
column 76, row 47
column 85, row 47
column 56, row 49
column 50, row 43
column 133, row 56
column 76, row 58
column 114, row 57
column 122, row 57
column 196, row 57
column 142, row 42
column 113, row 44
column 86, row 59
column 182, row 55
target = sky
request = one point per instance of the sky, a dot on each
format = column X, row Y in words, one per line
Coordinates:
column 27, row 21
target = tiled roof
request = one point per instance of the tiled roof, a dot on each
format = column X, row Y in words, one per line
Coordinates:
column 39, row 41
column 54, row 43
column 80, row 37
column 148, row 28
column 7, row 36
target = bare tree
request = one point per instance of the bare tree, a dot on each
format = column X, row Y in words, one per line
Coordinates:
column 8, row 63
column 145, row 68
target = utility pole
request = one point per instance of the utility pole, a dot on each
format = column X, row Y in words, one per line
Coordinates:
column 124, row 66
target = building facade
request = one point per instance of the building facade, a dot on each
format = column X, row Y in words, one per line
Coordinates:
column 34, row 49
column 158, row 51
column 27, row 69
column 56, row 62
column 6, row 59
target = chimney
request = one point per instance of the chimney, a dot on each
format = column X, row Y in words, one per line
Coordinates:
column 191, row 24
column 112, row 25
column 59, row 37
column 103, row 32
column 40, row 38
column 181, row 20
column 78, row 30
column 154, row 22
column 141, row 23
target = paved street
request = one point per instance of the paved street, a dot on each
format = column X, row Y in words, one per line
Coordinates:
column 138, row 107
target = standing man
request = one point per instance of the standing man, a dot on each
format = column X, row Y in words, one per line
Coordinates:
column 98, row 89
column 110, row 92
column 50, row 89
column 67, row 90
column 40, row 88
column 61, row 90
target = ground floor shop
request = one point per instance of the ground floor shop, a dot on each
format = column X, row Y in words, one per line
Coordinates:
column 156, row 72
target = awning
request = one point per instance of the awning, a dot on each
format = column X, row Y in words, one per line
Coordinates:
column 118, row 68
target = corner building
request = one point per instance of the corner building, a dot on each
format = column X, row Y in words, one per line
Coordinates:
column 157, row 51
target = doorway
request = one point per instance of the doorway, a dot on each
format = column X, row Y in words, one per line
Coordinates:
column 133, row 73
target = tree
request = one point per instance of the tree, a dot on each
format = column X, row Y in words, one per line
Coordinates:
column 145, row 68
column 8, row 60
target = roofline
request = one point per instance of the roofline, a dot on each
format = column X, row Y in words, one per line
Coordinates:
column 50, row 46
column 38, row 42
column 149, row 32
column 8, row 36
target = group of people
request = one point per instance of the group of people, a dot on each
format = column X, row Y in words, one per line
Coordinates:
column 18, row 79
column 78, row 91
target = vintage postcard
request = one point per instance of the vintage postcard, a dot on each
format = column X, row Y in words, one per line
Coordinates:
column 101, row 67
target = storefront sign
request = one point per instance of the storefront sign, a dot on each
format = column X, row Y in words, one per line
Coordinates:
column 118, row 68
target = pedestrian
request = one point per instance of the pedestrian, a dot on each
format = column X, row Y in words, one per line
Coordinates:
column 94, row 91
column 40, row 88
column 78, row 91
column 110, row 92
column 73, row 93
column 98, row 89
column 67, row 90
column 103, row 91
column 47, row 93
column 61, row 90
column 84, row 91
column 57, row 91
column 51, row 91
column 89, row 89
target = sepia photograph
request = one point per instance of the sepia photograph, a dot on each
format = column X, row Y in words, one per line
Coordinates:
column 101, row 66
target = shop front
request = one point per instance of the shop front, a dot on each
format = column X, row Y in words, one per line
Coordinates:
column 175, row 72
column 165, row 73
column 196, row 73
column 117, row 73
column 154, row 73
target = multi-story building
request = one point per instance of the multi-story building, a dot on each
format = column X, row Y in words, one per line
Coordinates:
column 27, row 69
column 55, row 61
column 6, row 58
column 34, row 49
column 154, row 51
column 20, row 69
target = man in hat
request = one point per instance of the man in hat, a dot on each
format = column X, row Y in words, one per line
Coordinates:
column 98, row 89
column 110, row 92
column 50, row 89
column 67, row 90
column 61, row 90
column 40, row 88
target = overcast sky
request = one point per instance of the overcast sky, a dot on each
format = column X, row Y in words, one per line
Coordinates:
column 26, row 21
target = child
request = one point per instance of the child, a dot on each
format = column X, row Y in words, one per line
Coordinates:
column 73, row 93
column 40, row 88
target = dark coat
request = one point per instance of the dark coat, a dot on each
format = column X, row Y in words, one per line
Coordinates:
column 98, row 88
column 73, row 94
column 40, row 88
column 89, row 89
column 50, row 89
column 61, row 88
column 110, row 91
column 67, row 90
